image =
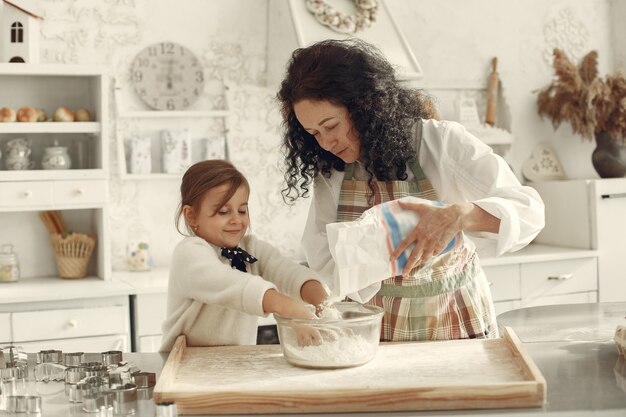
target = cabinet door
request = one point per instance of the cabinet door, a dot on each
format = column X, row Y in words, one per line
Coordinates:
column 610, row 209
column 504, row 281
column 69, row 323
column 150, row 312
column 546, row 279
column 149, row 343
column 504, row 306
column 578, row 298
column 82, row 344
column 5, row 328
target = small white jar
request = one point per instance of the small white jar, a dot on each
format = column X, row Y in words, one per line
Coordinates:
column 56, row 157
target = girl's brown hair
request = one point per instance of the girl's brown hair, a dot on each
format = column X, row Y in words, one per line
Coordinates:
column 202, row 177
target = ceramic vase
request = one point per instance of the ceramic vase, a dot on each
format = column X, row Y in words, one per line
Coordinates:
column 609, row 156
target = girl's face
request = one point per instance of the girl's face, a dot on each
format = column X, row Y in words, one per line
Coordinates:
column 331, row 126
column 222, row 226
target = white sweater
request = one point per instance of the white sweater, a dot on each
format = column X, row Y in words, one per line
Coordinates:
column 212, row 303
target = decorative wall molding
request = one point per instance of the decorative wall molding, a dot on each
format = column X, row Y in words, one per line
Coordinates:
column 71, row 31
column 567, row 32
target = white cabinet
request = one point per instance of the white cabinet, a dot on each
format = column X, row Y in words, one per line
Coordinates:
column 149, row 312
column 81, row 192
column 93, row 324
column 590, row 214
column 542, row 275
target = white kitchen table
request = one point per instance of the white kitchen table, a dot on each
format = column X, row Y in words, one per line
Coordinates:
column 572, row 346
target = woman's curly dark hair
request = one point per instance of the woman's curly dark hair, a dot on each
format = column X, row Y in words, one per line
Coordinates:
column 356, row 75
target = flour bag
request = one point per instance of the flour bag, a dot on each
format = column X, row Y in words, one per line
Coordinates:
column 361, row 248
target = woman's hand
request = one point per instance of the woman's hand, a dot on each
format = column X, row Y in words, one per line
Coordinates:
column 437, row 227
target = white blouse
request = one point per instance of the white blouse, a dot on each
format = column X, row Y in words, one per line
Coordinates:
column 461, row 169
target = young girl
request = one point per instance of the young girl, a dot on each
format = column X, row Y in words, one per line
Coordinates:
column 221, row 279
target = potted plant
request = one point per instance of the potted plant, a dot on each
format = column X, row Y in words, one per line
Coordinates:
column 595, row 107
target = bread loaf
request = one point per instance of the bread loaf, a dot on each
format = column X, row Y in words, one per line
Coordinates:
column 83, row 115
column 41, row 115
column 27, row 114
column 7, row 114
column 63, row 114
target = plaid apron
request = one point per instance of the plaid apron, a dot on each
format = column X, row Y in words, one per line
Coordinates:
column 447, row 297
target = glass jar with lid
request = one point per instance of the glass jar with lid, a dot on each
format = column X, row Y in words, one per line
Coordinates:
column 9, row 264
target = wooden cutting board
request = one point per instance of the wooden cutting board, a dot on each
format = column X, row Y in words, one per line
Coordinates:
column 456, row 374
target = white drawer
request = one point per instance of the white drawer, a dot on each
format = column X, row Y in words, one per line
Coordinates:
column 25, row 194
column 150, row 313
column 5, row 327
column 81, row 344
column 504, row 281
column 578, row 298
column 80, row 192
column 544, row 279
column 70, row 323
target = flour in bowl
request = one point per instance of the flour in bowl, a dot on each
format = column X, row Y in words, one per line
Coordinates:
column 342, row 350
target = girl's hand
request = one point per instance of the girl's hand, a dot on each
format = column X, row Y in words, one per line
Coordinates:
column 436, row 228
column 275, row 302
column 314, row 292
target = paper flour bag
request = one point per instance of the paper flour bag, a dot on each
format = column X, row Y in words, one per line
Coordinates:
column 361, row 248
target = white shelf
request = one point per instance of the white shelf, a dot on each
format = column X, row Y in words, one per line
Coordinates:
column 52, row 174
column 65, row 70
column 151, row 177
column 51, row 127
column 155, row 114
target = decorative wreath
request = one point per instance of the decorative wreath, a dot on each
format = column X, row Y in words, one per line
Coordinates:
column 366, row 11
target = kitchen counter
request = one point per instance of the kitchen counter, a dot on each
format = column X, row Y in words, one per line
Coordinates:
column 584, row 373
column 155, row 281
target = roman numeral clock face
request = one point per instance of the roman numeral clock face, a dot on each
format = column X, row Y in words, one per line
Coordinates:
column 167, row 76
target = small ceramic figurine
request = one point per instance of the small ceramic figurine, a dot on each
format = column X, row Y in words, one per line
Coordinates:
column 56, row 157
column 17, row 154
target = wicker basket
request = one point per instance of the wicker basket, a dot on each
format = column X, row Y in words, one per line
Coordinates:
column 72, row 253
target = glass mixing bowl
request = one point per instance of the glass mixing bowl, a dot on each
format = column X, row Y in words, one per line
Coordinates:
column 346, row 337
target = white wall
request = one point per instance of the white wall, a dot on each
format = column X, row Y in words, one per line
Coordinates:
column 454, row 41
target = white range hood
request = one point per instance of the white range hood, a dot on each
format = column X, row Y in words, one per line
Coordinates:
column 291, row 26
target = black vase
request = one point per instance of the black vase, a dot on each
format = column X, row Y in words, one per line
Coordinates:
column 609, row 156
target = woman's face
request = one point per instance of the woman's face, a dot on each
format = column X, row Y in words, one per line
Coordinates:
column 331, row 126
column 223, row 226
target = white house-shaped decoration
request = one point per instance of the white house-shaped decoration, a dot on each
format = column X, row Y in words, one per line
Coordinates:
column 19, row 33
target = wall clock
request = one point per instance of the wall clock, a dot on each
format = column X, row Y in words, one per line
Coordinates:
column 167, row 76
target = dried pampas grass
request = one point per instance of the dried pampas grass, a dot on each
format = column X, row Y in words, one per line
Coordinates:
column 579, row 96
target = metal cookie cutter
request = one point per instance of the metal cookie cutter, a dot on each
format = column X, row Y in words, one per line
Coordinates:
column 124, row 399
column 111, row 357
column 73, row 358
column 23, row 404
column 49, row 367
column 166, row 409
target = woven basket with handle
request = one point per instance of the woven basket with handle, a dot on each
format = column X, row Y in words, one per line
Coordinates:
column 72, row 253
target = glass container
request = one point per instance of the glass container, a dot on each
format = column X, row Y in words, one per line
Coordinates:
column 9, row 264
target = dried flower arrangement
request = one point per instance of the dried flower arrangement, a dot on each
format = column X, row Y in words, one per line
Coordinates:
column 589, row 103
